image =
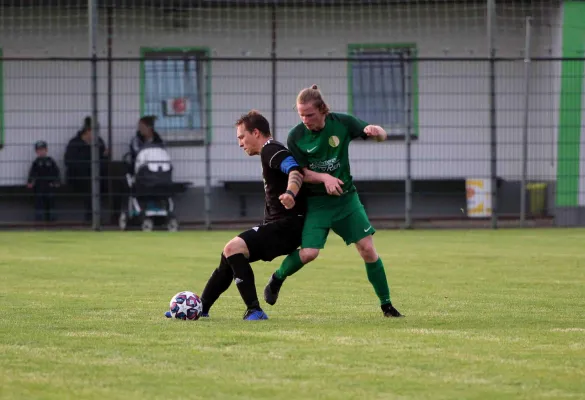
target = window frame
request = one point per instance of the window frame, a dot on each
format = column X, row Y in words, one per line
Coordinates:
column 205, row 76
column 352, row 48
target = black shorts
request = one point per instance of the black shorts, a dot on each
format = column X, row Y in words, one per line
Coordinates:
column 268, row 241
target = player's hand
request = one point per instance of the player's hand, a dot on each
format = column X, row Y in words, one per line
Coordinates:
column 333, row 185
column 287, row 200
column 29, row 185
column 375, row 131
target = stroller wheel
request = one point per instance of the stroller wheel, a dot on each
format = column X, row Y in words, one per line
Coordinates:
column 123, row 221
column 173, row 225
column 147, row 225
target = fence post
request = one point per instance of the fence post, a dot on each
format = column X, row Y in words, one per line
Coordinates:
column 207, row 146
column 407, row 89
column 110, row 110
column 527, row 65
column 274, row 71
column 95, row 157
column 491, row 25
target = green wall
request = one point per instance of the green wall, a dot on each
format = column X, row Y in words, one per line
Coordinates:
column 571, row 107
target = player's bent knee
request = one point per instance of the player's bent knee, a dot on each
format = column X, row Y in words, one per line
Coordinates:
column 366, row 249
column 308, row 255
column 236, row 246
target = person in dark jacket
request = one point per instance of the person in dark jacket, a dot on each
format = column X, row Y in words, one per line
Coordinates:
column 78, row 164
column 145, row 135
column 43, row 177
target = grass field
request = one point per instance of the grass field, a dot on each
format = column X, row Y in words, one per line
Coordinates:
column 489, row 314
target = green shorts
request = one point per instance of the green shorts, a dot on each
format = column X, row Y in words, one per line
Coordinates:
column 345, row 215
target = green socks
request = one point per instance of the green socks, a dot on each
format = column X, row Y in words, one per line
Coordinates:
column 376, row 274
column 377, row 277
column 291, row 264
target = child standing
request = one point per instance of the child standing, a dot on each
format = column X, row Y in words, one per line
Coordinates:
column 43, row 177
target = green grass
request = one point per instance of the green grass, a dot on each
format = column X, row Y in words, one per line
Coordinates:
column 489, row 314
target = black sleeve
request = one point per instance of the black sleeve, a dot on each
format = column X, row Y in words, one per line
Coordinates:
column 134, row 148
column 102, row 150
column 71, row 154
column 55, row 172
column 276, row 156
column 33, row 172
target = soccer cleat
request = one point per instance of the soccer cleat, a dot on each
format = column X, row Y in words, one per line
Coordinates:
column 271, row 290
column 390, row 312
column 255, row 315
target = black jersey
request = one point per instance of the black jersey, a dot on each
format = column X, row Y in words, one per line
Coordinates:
column 277, row 162
column 44, row 172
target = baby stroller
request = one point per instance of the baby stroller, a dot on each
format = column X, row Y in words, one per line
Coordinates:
column 150, row 188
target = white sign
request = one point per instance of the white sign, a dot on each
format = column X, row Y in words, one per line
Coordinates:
column 479, row 197
column 176, row 107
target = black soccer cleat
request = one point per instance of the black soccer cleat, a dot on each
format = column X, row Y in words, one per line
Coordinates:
column 271, row 290
column 390, row 312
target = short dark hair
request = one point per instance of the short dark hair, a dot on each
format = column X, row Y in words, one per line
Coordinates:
column 254, row 120
column 148, row 120
column 86, row 124
column 41, row 144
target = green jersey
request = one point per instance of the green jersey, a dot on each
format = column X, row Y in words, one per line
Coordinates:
column 327, row 150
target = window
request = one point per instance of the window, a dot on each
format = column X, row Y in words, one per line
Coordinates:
column 175, row 86
column 1, row 102
column 383, row 87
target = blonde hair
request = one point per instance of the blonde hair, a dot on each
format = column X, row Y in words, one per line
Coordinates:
column 313, row 95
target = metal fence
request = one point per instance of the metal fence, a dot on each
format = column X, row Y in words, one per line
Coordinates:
column 487, row 134
column 457, row 144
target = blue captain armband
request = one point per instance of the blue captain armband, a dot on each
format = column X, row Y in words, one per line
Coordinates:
column 288, row 164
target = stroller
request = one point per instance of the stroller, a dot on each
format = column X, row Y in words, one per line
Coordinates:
column 150, row 188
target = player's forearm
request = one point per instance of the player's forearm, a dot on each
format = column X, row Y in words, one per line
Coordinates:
column 312, row 176
column 295, row 181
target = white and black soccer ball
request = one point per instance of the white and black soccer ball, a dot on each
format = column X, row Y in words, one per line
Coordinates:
column 186, row 306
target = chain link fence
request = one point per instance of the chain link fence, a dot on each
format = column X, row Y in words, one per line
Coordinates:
column 482, row 102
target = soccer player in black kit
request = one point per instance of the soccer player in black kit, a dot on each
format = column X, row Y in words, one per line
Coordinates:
column 280, row 232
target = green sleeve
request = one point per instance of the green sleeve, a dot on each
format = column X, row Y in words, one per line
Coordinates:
column 355, row 126
column 295, row 151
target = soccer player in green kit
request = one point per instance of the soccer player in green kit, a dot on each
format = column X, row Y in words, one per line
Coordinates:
column 320, row 145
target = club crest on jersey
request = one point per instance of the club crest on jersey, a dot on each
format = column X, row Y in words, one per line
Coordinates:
column 333, row 141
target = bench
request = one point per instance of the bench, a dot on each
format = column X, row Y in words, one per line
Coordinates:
column 425, row 191
column 18, row 200
column 243, row 189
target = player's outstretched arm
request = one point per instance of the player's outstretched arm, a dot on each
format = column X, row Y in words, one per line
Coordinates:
column 377, row 132
column 332, row 184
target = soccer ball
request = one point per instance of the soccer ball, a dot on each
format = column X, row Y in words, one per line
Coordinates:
column 186, row 305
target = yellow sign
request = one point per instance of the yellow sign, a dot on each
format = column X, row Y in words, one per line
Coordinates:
column 479, row 197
